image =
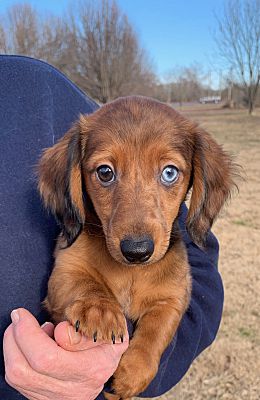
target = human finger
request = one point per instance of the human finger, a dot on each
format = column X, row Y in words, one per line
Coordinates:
column 48, row 328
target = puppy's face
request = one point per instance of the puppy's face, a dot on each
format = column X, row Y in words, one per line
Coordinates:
column 135, row 158
column 136, row 170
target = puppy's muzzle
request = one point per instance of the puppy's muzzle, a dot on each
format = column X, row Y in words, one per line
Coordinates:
column 137, row 249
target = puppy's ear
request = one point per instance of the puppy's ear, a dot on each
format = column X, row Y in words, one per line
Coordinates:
column 60, row 183
column 212, row 182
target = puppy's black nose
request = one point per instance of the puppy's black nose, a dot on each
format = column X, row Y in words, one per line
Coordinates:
column 137, row 249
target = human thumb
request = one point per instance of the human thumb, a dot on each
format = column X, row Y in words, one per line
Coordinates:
column 66, row 337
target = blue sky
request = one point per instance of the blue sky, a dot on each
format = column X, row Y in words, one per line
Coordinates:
column 175, row 32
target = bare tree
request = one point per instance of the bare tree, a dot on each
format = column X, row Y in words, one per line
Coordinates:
column 22, row 36
column 111, row 62
column 24, row 31
column 3, row 40
column 184, row 84
column 238, row 41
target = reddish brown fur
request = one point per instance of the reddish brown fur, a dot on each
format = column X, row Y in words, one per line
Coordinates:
column 91, row 280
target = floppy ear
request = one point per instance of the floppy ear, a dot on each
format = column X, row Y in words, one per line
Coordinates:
column 60, row 183
column 212, row 182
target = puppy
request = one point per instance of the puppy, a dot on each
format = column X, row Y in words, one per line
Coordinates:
column 115, row 183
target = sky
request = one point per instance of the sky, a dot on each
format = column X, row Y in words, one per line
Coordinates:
column 174, row 32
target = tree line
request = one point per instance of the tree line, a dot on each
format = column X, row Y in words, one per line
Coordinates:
column 96, row 46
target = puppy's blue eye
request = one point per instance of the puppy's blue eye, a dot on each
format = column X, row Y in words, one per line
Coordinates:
column 105, row 174
column 169, row 175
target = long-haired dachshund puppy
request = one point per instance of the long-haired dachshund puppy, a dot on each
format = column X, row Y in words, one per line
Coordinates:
column 115, row 183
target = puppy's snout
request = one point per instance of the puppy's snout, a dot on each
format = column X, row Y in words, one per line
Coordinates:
column 137, row 249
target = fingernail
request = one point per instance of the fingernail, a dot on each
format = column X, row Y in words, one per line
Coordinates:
column 15, row 316
column 75, row 337
column 45, row 323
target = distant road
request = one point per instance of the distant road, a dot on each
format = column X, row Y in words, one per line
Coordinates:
column 196, row 106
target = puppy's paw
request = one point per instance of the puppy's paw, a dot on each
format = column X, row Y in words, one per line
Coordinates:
column 136, row 370
column 98, row 319
column 111, row 396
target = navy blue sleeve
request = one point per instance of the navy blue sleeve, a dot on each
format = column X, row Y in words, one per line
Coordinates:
column 37, row 105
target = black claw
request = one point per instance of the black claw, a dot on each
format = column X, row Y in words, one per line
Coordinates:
column 122, row 338
column 95, row 336
column 113, row 338
column 77, row 325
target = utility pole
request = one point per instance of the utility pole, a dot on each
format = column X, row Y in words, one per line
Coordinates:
column 209, row 83
column 230, row 88
column 220, row 84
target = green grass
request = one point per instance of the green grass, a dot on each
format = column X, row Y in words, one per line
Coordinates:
column 244, row 332
column 240, row 222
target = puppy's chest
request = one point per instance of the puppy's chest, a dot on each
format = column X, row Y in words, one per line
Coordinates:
column 129, row 295
column 125, row 295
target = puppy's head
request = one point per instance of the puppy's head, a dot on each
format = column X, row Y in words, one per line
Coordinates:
column 128, row 167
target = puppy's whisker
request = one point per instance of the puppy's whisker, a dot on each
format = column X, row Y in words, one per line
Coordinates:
column 92, row 223
column 95, row 235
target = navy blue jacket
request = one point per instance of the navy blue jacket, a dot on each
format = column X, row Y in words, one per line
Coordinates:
column 37, row 106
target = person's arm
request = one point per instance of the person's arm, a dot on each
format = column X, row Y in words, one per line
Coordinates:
column 71, row 367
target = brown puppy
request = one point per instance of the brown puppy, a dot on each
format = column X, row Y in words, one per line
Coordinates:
column 115, row 182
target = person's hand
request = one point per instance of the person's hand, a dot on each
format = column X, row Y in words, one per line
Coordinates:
column 69, row 367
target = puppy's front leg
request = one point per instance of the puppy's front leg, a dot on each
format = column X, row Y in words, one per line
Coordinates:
column 154, row 332
column 78, row 293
